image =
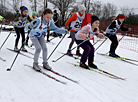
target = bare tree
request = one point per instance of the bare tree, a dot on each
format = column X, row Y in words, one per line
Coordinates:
column 96, row 8
column 87, row 4
column 15, row 4
column 126, row 10
column 109, row 10
column 63, row 6
column 45, row 4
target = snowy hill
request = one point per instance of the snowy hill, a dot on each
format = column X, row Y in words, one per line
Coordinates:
column 23, row 84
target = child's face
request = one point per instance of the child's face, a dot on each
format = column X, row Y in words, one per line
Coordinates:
column 82, row 12
column 34, row 15
column 121, row 20
column 95, row 24
column 47, row 17
column 25, row 12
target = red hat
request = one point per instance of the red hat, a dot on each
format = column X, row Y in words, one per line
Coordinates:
column 121, row 17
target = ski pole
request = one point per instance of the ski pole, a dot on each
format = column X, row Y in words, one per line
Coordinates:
column 7, row 36
column 8, row 69
column 100, row 44
column 98, row 40
column 71, row 50
column 123, row 36
column 105, row 39
column 17, row 55
column 56, row 46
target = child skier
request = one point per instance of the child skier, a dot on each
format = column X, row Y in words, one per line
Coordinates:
column 86, row 32
column 75, row 20
column 33, row 17
column 37, row 36
column 111, row 33
column 19, row 23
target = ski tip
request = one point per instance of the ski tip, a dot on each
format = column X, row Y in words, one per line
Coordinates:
column 8, row 69
column 53, row 61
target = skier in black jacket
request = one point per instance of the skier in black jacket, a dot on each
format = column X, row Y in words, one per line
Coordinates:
column 111, row 33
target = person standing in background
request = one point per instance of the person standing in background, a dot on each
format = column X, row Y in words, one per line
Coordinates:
column 56, row 21
column 70, row 23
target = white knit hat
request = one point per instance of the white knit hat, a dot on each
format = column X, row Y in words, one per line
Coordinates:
column 82, row 7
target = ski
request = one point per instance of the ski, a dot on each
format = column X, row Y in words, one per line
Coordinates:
column 70, row 56
column 107, row 73
column 30, row 47
column 129, row 59
column 47, row 75
column 119, row 58
column 79, row 58
column 97, row 71
column 2, row 59
column 61, row 75
column 20, row 53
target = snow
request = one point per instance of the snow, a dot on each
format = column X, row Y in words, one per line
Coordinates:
column 23, row 84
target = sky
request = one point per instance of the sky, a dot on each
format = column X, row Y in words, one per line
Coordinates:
column 123, row 3
column 118, row 3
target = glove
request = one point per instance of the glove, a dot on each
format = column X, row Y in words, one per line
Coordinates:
column 66, row 27
column 67, row 31
column 101, row 36
column 31, row 26
column 91, row 36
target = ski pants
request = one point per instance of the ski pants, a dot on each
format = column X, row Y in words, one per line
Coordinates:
column 72, row 41
column 18, row 31
column 88, row 51
column 114, row 43
column 39, row 43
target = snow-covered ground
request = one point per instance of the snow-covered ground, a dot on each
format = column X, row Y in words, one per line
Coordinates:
column 23, row 84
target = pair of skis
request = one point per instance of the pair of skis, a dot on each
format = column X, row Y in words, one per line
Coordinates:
column 74, row 56
column 24, row 54
column 122, row 59
column 21, row 53
column 42, row 72
column 100, row 71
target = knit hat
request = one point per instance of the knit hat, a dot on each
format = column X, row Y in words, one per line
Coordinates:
column 121, row 17
column 34, row 13
column 94, row 18
column 82, row 7
column 55, row 11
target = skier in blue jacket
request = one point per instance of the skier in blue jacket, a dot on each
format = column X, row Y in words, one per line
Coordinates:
column 37, row 34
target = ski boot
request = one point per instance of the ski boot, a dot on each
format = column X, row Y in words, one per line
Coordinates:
column 16, row 49
column 69, row 53
column 23, row 49
column 91, row 64
column 36, row 67
column 83, row 65
column 46, row 66
column 78, row 53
